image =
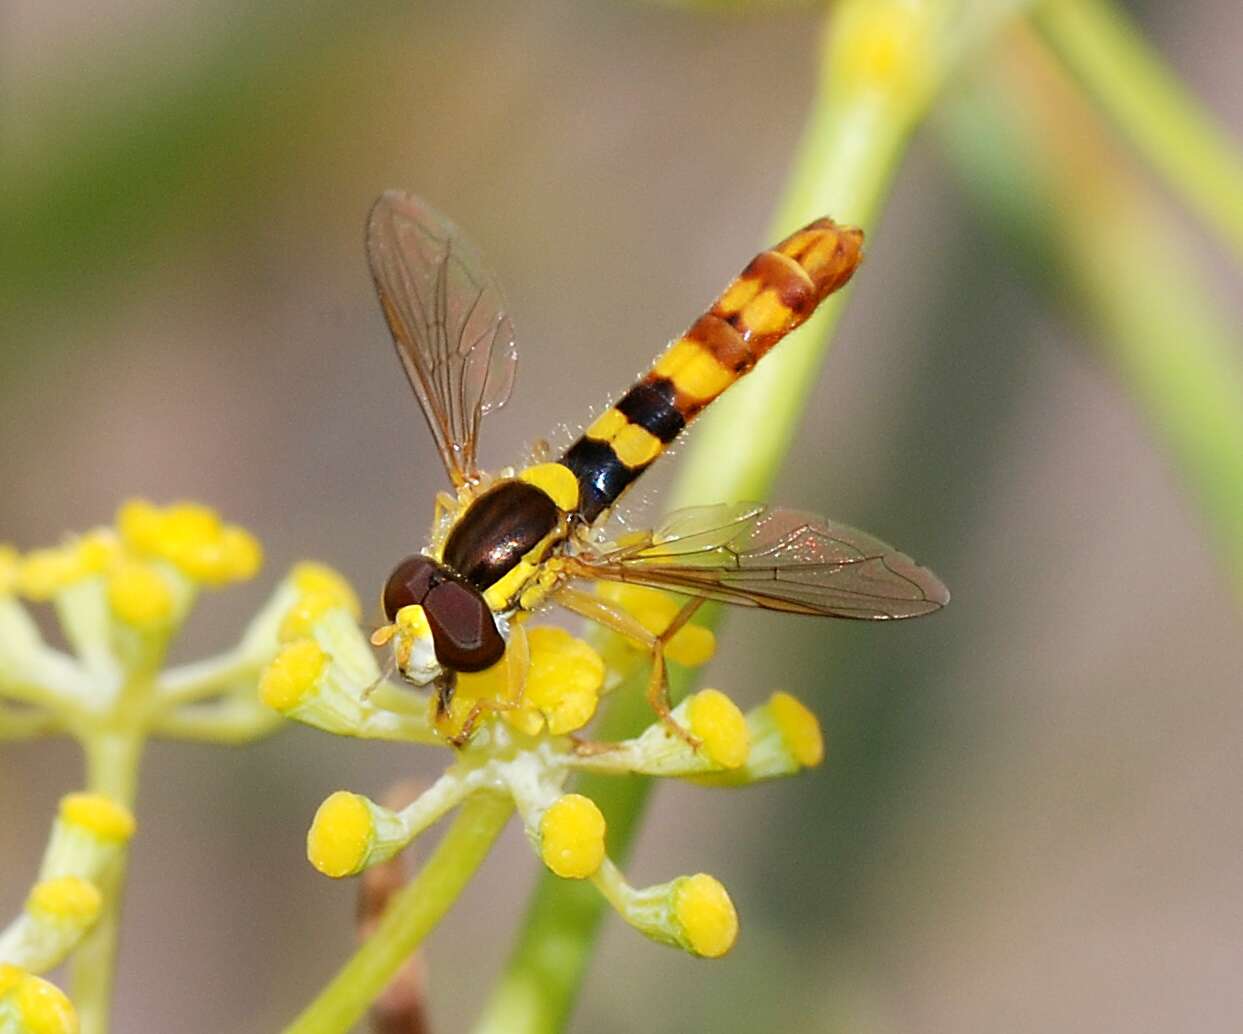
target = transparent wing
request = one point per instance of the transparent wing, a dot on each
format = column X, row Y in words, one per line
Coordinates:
column 448, row 320
column 749, row 554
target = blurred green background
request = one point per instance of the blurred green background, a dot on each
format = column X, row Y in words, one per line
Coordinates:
column 1028, row 819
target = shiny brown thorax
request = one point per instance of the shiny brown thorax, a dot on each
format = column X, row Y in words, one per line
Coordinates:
column 496, row 531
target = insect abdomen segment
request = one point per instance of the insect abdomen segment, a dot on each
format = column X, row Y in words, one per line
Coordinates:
column 778, row 290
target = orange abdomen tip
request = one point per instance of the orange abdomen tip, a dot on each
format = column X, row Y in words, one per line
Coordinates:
column 779, row 289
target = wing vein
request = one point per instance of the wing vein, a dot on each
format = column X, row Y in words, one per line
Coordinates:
column 447, row 316
column 776, row 559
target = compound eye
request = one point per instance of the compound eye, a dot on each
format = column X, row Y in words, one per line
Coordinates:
column 408, row 584
column 463, row 629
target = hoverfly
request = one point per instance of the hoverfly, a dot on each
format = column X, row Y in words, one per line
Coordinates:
column 504, row 545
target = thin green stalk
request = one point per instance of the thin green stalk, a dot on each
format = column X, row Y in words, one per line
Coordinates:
column 844, row 167
column 1163, row 120
column 882, row 63
column 1034, row 154
column 410, row 916
column 549, row 959
column 28, row 724
column 112, row 760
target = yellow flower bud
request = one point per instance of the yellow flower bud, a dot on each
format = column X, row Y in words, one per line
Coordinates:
column 96, row 551
column 43, row 1008
column 184, row 525
column 97, row 814
column 299, row 621
column 292, row 675
column 799, row 728
column 10, row 977
column 311, row 578
column 67, row 898
column 564, row 680
column 241, row 556
column 140, row 596
column 139, row 524
column 42, row 573
column 572, row 837
column 692, row 646
column 341, row 834
column 721, row 728
column 706, row 914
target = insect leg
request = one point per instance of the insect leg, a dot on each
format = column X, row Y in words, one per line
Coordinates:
column 658, row 682
column 626, row 625
column 517, row 663
column 446, row 684
column 386, row 673
column 446, row 502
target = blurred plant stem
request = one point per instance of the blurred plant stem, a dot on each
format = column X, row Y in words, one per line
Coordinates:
column 1033, row 152
column 112, row 761
column 408, row 918
column 882, row 62
column 1162, row 119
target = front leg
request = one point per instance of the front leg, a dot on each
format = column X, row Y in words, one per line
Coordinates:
column 517, row 662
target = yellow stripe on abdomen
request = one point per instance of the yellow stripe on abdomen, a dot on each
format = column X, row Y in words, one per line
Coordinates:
column 634, row 445
column 694, row 369
column 777, row 291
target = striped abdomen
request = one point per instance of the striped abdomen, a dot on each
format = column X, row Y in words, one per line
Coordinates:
column 774, row 294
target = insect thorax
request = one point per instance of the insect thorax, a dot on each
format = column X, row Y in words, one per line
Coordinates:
column 501, row 539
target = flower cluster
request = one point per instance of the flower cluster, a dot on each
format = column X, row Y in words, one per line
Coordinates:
column 121, row 593
column 87, row 839
column 526, row 747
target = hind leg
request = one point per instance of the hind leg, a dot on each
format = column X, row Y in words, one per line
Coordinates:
column 626, row 625
column 658, row 681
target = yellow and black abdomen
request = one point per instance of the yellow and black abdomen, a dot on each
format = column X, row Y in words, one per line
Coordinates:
column 777, row 291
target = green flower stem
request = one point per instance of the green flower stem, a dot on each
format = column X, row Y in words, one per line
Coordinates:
column 1033, row 152
column 232, row 720
column 27, row 723
column 112, row 759
column 410, row 916
column 541, row 981
column 1162, row 119
column 190, row 683
column 882, row 63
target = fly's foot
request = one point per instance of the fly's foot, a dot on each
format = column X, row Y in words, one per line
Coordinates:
column 675, row 728
column 590, row 748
